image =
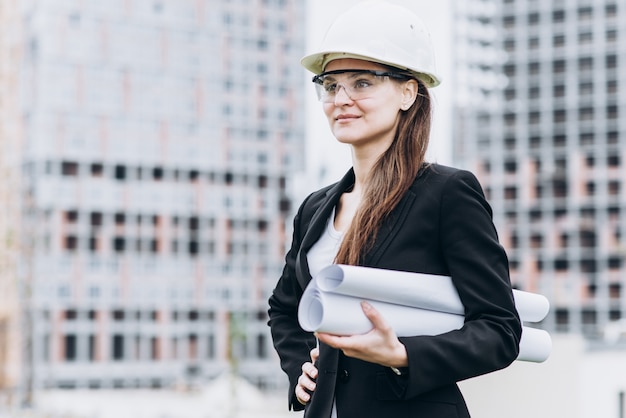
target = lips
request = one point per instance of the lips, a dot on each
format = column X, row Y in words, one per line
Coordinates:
column 346, row 117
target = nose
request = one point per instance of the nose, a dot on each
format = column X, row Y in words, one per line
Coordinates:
column 340, row 97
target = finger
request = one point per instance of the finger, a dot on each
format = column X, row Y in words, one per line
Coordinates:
column 374, row 316
column 305, row 383
column 315, row 353
column 328, row 339
column 302, row 396
column 308, row 369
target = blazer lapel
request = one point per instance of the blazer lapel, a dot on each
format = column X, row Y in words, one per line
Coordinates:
column 394, row 223
column 389, row 229
column 317, row 225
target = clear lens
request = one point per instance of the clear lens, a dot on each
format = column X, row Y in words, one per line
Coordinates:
column 357, row 84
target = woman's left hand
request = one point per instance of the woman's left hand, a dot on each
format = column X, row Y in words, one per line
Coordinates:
column 380, row 345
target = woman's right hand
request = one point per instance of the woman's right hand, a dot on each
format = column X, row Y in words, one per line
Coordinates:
column 306, row 381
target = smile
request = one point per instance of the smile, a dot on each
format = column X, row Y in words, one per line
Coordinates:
column 346, row 117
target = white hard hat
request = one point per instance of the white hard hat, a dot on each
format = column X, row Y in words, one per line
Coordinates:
column 380, row 32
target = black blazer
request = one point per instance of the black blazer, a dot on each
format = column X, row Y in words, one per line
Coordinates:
column 443, row 225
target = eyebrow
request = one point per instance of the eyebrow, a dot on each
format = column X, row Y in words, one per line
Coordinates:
column 349, row 74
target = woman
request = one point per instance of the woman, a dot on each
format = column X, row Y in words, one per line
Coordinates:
column 391, row 211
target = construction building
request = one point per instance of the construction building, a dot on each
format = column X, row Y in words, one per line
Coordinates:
column 539, row 118
column 146, row 148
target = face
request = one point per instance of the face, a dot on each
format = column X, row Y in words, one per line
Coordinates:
column 369, row 122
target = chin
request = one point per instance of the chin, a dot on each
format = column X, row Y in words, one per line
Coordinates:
column 344, row 140
column 346, row 137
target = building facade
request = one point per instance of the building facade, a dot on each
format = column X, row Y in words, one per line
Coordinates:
column 157, row 139
column 11, row 342
column 550, row 149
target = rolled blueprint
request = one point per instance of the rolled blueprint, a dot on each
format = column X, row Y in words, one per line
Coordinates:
column 426, row 291
column 413, row 304
column 342, row 315
column 535, row 345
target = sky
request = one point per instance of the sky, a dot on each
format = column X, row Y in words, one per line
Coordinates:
column 321, row 144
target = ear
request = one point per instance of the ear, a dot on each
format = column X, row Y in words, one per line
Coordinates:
column 409, row 94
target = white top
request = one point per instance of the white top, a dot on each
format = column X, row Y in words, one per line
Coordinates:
column 324, row 251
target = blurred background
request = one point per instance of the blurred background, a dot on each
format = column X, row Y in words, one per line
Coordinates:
column 153, row 153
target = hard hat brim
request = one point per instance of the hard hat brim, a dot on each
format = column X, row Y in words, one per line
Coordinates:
column 316, row 63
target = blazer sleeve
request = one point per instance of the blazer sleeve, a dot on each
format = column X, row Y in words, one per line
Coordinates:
column 478, row 265
column 291, row 342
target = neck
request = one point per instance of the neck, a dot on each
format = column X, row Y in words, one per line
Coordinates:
column 363, row 160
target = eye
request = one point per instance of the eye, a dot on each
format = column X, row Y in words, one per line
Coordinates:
column 329, row 87
column 363, row 83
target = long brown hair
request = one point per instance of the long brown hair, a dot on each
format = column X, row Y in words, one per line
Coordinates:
column 390, row 178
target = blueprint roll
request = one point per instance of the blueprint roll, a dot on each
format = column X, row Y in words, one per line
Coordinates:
column 343, row 315
column 419, row 290
column 535, row 345
column 532, row 307
column 426, row 291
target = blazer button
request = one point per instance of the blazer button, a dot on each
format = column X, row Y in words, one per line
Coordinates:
column 343, row 375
